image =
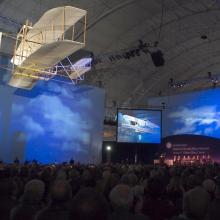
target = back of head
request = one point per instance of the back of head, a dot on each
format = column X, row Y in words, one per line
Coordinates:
column 89, row 205
column 6, row 187
column 34, row 190
column 133, row 180
column 155, row 187
column 88, row 179
column 121, row 197
column 125, row 179
column 192, row 181
column 174, row 184
column 196, row 203
column 217, row 190
column 209, row 185
column 74, row 174
column 129, row 179
column 61, row 175
column 106, row 174
column 60, row 191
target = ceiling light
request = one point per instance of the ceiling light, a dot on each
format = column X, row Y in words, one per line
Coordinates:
column 204, row 37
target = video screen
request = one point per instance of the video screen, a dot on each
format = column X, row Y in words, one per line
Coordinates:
column 196, row 113
column 139, row 126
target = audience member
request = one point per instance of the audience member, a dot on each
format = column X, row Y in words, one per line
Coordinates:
column 58, row 208
column 30, row 202
column 88, row 204
column 154, row 205
column 122, row 201
column 7, row 187
column 214, row 210
column 109, row 192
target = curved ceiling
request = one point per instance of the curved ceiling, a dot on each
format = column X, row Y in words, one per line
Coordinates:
column 114, row 25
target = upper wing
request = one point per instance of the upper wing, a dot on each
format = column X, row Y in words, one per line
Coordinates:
column 49, row 28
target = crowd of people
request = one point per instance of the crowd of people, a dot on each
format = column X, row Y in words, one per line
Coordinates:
column 109, row 192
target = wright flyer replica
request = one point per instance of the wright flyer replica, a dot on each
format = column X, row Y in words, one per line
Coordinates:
column 40, row 48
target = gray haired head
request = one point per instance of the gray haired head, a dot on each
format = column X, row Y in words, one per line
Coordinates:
column 34, row 190
column 121, row 197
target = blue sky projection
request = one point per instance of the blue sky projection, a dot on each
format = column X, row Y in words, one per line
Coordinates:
column 56, row 121
column 192, row 113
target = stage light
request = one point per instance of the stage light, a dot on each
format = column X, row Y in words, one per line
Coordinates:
column 137, row 51
column 108, row 148
column 118, row 57
column 142, row 45
column 157, row 58
column 132, row 53
column 171, row 82
column 163, row 105
column 156, row 43
column 126, row 55
column 114, row 103
column 204, row 37
column 214, row 82
column 100, row 84
column 112, row 58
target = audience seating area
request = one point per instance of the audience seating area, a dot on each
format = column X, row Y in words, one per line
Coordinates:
column 109, row 192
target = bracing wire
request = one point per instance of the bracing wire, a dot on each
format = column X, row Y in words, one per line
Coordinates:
column 161, row 19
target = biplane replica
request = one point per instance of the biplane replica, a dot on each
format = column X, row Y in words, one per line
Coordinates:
column 40, row 48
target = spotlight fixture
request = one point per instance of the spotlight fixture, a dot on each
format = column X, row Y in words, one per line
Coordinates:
column 157, row 58
column 114, row 103
column 142, row 45
column 108, row 148
column 100, row 84
column 204, row 37
column 163, row 105
column 171, row 82
column 156, row 43
column 137, row 51
column 214, row 84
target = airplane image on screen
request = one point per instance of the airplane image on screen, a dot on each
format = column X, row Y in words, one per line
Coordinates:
column 138, row 125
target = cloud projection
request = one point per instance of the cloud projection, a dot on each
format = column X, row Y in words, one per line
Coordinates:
column 202, row 120
column 195, row 113
column 57, row 122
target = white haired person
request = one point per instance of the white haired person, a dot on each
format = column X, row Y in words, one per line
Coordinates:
column 88, row 204
column 122, row 200
column 60, row 195
column 195, row 204
column 30, row 202
column 214, row 210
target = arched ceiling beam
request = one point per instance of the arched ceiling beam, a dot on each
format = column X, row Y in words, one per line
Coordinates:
column 143, row 87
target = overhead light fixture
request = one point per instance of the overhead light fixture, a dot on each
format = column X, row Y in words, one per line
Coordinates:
column 204, row 37
column 108, row 148
column 137, row 52
column 209, row 75
column 157, row 58
column 163, row 105
column 214, row 84
column 100, row 84
column 156, row 43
